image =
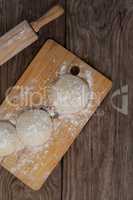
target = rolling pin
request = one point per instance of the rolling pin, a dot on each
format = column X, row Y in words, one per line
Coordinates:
column 24, row 34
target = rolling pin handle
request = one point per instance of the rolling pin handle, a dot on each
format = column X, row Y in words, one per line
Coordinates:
column 51, row 15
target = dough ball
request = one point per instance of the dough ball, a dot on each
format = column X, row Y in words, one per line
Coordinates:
column 9, row 141
column 34, row 127
column 69, row 94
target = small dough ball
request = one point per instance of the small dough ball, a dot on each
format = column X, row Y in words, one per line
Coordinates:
column 34, row 127
column 69, row 94
column 8, row 139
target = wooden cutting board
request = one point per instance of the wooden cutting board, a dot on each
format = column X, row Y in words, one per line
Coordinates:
column 33, row 165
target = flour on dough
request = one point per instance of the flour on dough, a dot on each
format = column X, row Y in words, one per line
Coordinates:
column 9, row 141
column 34, row 127
column 69, row 94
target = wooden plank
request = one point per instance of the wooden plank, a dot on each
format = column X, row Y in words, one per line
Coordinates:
column 13, row 13
column 33, row 166
column 99, row 164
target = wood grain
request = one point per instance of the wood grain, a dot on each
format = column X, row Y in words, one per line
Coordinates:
column 11, row 14
column 99, row 164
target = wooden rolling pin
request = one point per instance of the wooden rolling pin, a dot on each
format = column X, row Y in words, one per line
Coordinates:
column 24, row 34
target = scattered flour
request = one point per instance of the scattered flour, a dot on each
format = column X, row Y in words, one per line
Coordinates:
column 30, row 155
column 28, row 158
column 63, row 69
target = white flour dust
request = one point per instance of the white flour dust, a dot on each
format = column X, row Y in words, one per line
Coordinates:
column 31, row 155
column 28, row 159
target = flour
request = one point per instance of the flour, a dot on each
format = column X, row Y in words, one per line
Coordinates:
column 63, row 69
column 30, row 159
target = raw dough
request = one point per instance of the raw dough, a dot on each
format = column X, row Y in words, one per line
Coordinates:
column 69, row 94
column 9, row 141
column 34, row 127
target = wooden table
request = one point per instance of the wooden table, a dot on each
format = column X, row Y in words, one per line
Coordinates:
column 99, row 165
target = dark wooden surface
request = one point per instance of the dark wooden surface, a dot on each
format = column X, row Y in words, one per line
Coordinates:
column 99, row 165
